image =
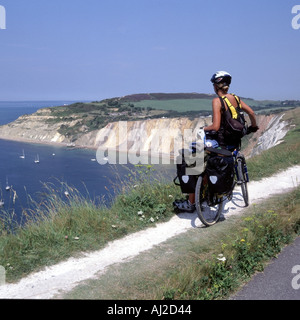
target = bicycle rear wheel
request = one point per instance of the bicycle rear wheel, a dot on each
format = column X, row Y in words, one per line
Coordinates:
column 208, row 214
column 242, row 181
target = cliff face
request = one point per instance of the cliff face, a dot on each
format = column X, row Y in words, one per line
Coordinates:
column 273, row 134
column 36, row 127
column 157, row 134
column 136, row 135
column 161, row 136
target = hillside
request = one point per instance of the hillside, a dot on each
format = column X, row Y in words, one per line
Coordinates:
column 164, row 96
column 90, row 124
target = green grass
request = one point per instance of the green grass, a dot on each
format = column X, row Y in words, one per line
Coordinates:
column 179, row 105
column 243, row 249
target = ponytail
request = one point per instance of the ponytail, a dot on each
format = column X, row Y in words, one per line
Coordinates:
column 223, row 86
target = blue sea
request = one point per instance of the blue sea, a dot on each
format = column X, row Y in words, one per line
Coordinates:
column 58, row 166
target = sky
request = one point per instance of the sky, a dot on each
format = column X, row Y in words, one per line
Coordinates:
column 97, row 49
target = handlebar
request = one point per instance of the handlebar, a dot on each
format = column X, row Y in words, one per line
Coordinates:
column 252, row 129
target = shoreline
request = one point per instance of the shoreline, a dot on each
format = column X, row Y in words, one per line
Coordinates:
column 49, row 143
column 160, row 157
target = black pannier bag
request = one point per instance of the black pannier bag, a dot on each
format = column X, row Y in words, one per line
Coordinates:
column 187, row 183
column 220, row 170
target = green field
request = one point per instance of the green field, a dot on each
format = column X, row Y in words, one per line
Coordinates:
column 205, row 105
column 179, row 105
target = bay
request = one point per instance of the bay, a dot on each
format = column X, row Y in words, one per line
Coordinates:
column 58, row 167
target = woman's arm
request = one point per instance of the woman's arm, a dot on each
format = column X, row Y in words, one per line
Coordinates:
column 250, row 112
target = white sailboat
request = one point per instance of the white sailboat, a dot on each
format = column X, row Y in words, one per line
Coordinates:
column 23, row 155
column 7, row 188
column 37, row 159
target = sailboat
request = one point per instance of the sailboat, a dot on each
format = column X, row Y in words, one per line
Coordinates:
column 37, row 159
column 23, row 155
column 7, row 188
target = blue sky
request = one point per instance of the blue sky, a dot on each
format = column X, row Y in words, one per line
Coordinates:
column 97, row 49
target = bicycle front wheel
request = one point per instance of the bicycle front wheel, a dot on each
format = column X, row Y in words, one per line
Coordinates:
column 208, row 214
column 242, row 181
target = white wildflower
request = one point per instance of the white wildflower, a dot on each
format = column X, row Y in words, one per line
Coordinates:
column 151, row 219
column 140, row 212
column 221, row 257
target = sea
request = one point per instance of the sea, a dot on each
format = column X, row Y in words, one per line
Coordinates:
column 59, row 168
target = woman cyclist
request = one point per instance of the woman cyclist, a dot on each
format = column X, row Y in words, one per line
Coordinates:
column 221, row 81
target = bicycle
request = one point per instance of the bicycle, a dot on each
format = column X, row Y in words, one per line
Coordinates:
column 209, row 206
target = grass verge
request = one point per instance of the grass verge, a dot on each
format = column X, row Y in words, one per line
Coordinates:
column 243, row 250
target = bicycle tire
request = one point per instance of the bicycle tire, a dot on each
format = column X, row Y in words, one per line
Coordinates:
column 242, row 181
column 208, row 215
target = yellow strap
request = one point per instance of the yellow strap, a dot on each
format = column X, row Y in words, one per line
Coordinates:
column 231, row 107
column 237, row 99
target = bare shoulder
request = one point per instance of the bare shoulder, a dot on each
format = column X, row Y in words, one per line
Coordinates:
column 216, row 99
column 216, row 103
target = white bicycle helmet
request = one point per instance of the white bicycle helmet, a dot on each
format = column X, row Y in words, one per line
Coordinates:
column 221, row 76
